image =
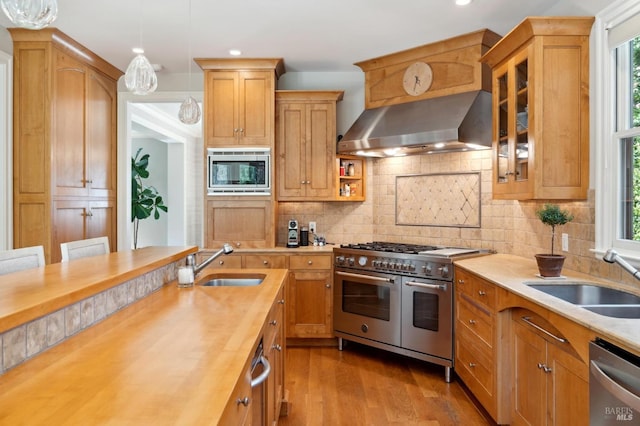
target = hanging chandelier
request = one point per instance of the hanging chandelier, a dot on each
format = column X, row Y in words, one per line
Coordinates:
column 30, row 14
column 189, row 112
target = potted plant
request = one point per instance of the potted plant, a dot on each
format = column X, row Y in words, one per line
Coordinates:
column 550, row 265
column 144, row 199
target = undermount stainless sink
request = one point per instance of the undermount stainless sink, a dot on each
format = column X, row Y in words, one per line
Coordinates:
column 605, row 301
column 227, row 280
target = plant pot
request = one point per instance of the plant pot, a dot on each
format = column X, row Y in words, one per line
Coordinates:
column 550, row 265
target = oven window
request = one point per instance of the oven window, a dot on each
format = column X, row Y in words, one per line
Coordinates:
column 368, row 300
column 425, row 311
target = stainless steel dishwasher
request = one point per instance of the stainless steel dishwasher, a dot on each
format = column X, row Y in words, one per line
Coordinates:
column 614, row 385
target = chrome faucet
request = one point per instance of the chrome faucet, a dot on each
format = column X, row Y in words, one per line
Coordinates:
column 612, row 256
column 191, row 259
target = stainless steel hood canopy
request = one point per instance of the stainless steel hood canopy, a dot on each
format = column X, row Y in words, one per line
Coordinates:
column 443, row 124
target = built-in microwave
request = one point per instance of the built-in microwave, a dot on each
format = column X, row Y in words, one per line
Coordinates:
column 238, row 171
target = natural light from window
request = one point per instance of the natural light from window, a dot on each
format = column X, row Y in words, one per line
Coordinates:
column 617, row 138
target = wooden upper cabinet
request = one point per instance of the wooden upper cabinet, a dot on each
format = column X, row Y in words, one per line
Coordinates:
column 540, row 73
column 239, row 101
column 64, row 141
column 306, row 144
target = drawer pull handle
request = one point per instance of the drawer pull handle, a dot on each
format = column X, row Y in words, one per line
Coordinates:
column 482, row 293
column 472, row 322
column 244, row 401
column 537, row 327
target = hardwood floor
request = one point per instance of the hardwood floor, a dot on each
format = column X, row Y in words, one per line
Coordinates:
column 366, row 386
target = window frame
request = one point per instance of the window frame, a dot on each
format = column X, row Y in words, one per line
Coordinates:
column 606, row 138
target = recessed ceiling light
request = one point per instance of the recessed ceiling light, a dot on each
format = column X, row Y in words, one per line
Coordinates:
column 463, row 2
column 235, row 52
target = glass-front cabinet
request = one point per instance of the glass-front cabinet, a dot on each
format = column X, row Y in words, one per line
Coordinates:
column 511, row 133
column 540, row 77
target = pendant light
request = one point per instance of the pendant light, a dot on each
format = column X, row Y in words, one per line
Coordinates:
column 140, row 77
column 30, row 14
column 189, row 112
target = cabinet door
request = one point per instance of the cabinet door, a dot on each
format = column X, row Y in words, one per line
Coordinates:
column 244, row 224
column 101, row 135
column 68, row 148
column 320, row 150
column 529, row 398
column 290, row 151
column 101, row 221
column 68, row 224
column 567, row 389
column 309, row 305
column 221, row 110
column 256, row 107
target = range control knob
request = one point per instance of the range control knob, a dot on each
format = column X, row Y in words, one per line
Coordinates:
column 444, row 271
column 339, row 260
column 427, row 269
column 351, row 261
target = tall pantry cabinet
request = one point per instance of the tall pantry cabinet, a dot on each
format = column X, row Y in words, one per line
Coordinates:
column 64, row 143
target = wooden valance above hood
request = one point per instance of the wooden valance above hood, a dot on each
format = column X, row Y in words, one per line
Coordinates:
column 454, row 63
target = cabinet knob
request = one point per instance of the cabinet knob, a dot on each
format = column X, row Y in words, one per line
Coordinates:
column 460, row 281
column 482, row 293
column 238, row 244
column 327, row 285
column 472, row 364
column 543, row 367
column 244, row 401
column 221, row 262
column 302, row 182
column 472, row 322
column 310, row 262
column 277, row 348
column 281, row 301
column 273, row 322
column 265, row 262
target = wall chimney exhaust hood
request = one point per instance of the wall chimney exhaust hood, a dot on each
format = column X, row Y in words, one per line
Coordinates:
column 459, row 122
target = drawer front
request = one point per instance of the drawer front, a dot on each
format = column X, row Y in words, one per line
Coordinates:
column 275, row 320
column 475, row 369
column 310, row 262
column 478, row 289
column 223, row 262
column 477, row 321
column 257, row 261
column 235, row 412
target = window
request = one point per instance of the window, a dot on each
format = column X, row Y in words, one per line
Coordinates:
column 616, row 107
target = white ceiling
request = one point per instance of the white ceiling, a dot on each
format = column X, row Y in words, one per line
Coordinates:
column 311, row 35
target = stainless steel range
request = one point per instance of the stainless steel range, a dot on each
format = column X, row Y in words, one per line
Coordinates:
column 397, row 297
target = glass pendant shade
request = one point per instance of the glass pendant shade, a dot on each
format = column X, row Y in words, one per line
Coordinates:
column 31, row 14
column 189, row 112
column 140, row 77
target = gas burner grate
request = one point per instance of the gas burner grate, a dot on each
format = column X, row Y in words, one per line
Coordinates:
column 390, row 247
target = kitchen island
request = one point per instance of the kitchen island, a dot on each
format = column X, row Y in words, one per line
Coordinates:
column 172, row 357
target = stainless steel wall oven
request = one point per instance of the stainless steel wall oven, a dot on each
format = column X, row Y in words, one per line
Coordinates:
column 397, row 297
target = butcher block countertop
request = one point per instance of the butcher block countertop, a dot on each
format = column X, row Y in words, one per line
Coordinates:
column 172, row 357
column 510, row 272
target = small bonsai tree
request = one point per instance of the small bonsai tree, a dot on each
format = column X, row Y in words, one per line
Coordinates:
column 551, row 215
column 144, row 199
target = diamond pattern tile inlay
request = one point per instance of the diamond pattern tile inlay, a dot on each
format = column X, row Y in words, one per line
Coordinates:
column 448, row 199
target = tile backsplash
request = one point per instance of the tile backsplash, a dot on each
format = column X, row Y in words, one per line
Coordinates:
column 506, row 226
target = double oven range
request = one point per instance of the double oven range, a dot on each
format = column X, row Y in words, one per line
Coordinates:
column 397, row 297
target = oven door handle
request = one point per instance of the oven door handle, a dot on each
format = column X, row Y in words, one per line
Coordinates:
column 368, row 277
column 442, row 287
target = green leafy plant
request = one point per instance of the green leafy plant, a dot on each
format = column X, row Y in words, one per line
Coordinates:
column 144, row 199
column 552, row 215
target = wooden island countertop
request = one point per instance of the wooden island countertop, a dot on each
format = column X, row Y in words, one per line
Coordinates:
column 172, row 357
